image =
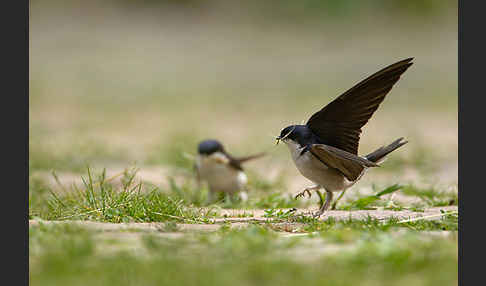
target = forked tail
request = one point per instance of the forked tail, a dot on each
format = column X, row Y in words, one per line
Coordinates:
column 379, row 154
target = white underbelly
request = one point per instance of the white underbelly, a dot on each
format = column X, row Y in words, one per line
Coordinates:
column 316, row 171
column 221, row 177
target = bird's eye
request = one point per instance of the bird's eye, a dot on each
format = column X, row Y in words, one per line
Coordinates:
column 286, row 132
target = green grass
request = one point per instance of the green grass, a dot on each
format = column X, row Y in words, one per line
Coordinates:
column 335, row 252
column 367, row 201
column 447, row 222
column 101, row 201
column 64, row 255
column 98, row 199
column 428, row 197
column 432, row 196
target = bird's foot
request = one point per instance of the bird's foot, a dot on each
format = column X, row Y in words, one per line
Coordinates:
column 317, row 214
column 302, row 194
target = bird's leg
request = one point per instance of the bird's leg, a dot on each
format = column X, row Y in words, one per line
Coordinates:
column 308, row 191
column 326, row 204
column 321, row 202
column 337, row 200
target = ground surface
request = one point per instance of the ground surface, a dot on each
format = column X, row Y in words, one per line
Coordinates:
column 232, row 217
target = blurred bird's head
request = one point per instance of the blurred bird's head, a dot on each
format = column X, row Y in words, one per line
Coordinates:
column 213, row 150
column 209, row 147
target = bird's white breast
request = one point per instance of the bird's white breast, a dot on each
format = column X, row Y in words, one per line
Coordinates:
column 219, row 175
column 314, row 170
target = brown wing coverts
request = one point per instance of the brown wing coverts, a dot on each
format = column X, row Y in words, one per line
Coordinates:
column 349, row 164
column 339, row 123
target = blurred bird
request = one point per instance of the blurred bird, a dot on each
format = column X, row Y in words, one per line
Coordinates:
column 222, row 172
column 325, row 149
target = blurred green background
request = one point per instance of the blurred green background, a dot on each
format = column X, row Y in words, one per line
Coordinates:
column 115, row 83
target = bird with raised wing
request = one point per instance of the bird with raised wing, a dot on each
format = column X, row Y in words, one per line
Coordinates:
column 325, row 149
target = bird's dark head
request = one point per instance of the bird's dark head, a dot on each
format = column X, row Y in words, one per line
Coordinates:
column 300, row 134
column 208, row 147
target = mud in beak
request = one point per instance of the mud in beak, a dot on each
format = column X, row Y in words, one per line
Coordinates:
column 277, row 140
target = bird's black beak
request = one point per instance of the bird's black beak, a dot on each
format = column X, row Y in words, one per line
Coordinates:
column 277, row 140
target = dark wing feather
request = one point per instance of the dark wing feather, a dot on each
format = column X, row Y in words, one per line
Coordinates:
column 350, row 165
column 237, row 162
column 248, row 158
column 339, row 123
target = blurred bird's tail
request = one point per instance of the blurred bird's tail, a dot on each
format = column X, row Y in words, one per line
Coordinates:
column 379, row 154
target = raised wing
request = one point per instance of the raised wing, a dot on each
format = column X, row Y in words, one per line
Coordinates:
column 350, row 165
column 339, row 123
